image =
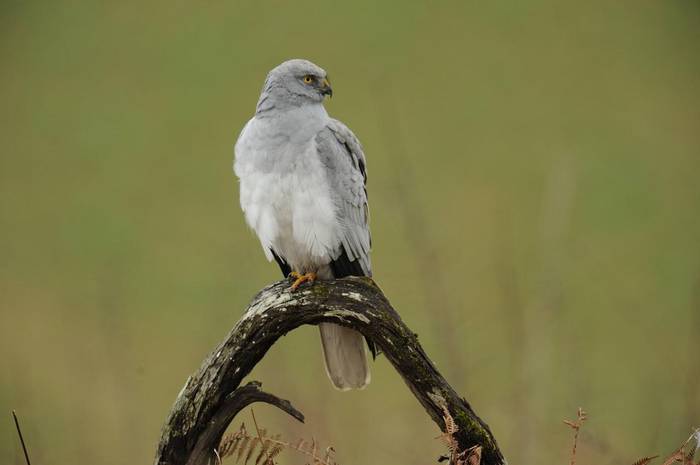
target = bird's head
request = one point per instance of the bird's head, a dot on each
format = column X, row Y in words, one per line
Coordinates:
column 294, row 83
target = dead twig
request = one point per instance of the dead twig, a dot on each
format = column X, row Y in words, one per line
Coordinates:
column 21, row 439
column 576, row 424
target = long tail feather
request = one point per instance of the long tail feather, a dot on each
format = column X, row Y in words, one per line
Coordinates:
column 345, row 357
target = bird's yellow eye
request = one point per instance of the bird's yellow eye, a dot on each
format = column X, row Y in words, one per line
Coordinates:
column 308, row 79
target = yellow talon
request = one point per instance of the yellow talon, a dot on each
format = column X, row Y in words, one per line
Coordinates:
column 300, row 279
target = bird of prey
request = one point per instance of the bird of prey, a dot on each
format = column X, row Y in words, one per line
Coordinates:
column 302, row 190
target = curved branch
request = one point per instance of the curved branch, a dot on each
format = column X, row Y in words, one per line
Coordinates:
column 354, row 302
column 209, row 439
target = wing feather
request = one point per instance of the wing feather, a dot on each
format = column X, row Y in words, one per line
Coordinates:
column 341, row 154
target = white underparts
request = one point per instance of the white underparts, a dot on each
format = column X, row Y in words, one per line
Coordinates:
column 285, row 195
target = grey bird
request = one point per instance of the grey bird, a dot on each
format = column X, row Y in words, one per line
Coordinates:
column 302, row 190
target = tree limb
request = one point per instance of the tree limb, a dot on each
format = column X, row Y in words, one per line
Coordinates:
column 212, row 396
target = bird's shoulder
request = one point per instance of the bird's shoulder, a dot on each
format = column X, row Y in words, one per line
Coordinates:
column 336, row 139
column 345, row 136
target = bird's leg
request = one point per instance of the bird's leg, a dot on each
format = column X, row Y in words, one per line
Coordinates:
column 300, row 279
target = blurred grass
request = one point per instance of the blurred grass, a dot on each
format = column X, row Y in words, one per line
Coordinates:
column 537, row 161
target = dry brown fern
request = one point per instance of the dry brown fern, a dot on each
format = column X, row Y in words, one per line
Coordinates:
column 684, row 454
column 471, row 456
column 448, row 437
column 261, row 449
column 645, row 460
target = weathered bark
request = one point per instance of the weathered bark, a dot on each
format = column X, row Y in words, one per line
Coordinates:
column 212, row 396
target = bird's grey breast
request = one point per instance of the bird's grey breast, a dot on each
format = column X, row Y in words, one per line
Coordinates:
column 284, row 188
column 276, row 141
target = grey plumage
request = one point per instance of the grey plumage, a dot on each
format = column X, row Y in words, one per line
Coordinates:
column 302, row 177
column 342, row 156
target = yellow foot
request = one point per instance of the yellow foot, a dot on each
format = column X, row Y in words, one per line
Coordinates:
column 300, row 279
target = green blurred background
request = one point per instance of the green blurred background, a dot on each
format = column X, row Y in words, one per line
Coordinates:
column 533, row 181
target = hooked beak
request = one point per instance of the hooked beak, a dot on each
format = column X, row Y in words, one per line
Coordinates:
column 326, row 88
